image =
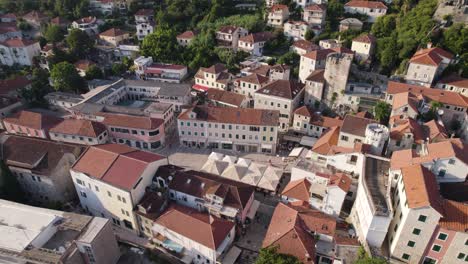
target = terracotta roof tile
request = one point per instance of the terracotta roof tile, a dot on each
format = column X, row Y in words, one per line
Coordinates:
column 86, row 20
column 365, row 38
column 304, row 111
column 33, row 120
column 317, row 76
column 144, row 12
column 187, row 34
column 83, row 64
column 431, row 56
column 455, row 216
column 320, row 54
column 18, row 42
column 315, row 7
column 79, row 127
column 298, row 189
column 282, row 88
column 305, row 45
column 242, row 116
column 408, row 126
column 455, row 80
column 279, row 7
column 257, row 37
column 341, row 180
column 123, row 120
column 254, row 78
column 228, row 29
column 366, row 4
column 225, row 97
column 113, row 32
column 203, row 228
column 356, row 125
column 12, row 85
column 435, row 131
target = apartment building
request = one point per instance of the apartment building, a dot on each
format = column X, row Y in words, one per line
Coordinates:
column 87, row 24
column 353, row 130
column 311, row 123
column 111, row 179
column 445, row 159
column 216, row 76
column 312, row 61
column 79, row 131
column 202, row 191
column 228, row 36
column 372, row 210
column 314, row 16
column 454, row 83
column 240, row 129
column 254, row 42
column 114, row 36
column 409, row 100
column 364, row 47
column 277, row 15
column 283, row 96
column 373, row 9
column 144, row 19
column 41, row 167
column 295, row 29
column 417, row 210
column 147, row 70
column 203, row 238
column 38, row 235
column 427, row 65
column 30, row 124
column 248, row 85
column 18, row 51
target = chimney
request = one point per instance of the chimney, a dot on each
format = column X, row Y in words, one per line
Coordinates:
column 429, row 45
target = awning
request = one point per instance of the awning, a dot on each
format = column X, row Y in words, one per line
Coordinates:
column 264, row 146
column 200, row 88
column 308, row 141
column 253, row 209
column 296, row 152
column 232, row 255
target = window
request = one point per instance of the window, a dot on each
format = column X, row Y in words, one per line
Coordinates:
column 436, row 248
column 97, row 188
column 80, row 182
column 441, row 173
column 109, row 194
column 452, row 161
column 442, row 236
column 405, row 256
column 461, row 255
column 411, row 243
column 123, row 211
column 344, row 138
column 123, row 200
column 416, row 231
column 153, row 133
column 83, row 194
column 118, row 198
column 422, row 218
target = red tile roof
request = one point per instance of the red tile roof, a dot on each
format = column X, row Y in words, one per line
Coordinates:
column 341, row 180
column 421, row 188
column 455, row 216
column 187, row 34
column 279, row 7
column 254, row 78
column 215, row 69
column 315, row 8
column 84, row 64
column 79, row 127
column 305, row 45
column 319, row 54
column 435, row 131
column 356, row 125
column 130, row 121
column 225, row 97
column 430, row 56
column 228, row 29
column 113, row 32
column 366, row 4
column 317, row 76
column 365, row 38
column 257, row 37
column 406, row 126
column 144, row 12
column 86, row 20
column 202, row 228
column 118, row 165
column 455, row 80
column 18, row 42
column 33, row 120
column 242, row 116
column 298, row 189
column 11, row 85
column 282, row 88
column 445, row 97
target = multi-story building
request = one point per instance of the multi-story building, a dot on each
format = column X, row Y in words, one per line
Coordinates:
column 111, row 179
column 147, row 70
column 216, row 76
column 250, row 84
column 454, row 83
column 19, row 51
column 240, row 129
column 39, row 235
column 114, row 36
column 204, row 238
column 330, row 43
column 197, row 190
column 315, row 84
column 282, row 95
column 373, row 9
column 151, row 206
column 228, row 36
column 313, row 124
column 41, row 167
column 353, row 130
column 295, row 29
column 86, row 24
column 79, row 131
column 144, row 19
column 277, row 15
column 30, row 124
column 184, row 39
column 254, row 42
column 337, row 68
column 445, row 159
column 108, row 7
column 417, row 210
column 142, row 132
column 350, row 24
column 410, row 100
column 372, row 211
column 363, row 47
column 312, row 61
column 302, row 47
column 270, row 3
column 315, row 16
column 427, row 65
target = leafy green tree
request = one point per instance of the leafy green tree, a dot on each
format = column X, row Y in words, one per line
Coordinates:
column 65, row 78
column 54, row 33
column 364, row 258
column 93, row 72
column 387, row 53
column 24, row 26
column 309, row 35
column 79, row 42
column 382, row 112
column 34, row 96
column 118, row 68
column 270, row 255
column 455, row 39
column 161, row 45
column 384, row 26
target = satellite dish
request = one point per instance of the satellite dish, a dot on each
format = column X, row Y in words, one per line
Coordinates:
column 440, row 112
